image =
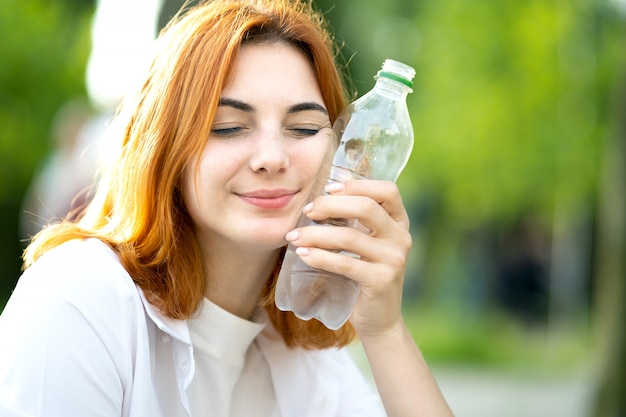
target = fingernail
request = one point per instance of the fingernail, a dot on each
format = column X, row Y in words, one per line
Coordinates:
column 334, row 187
column 291, row 236
column 302, row 251
column 308, row 208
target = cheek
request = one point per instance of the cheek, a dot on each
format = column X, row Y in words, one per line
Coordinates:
column 196, row 181
column 319, row 156
column 314, row 165
column 190, row 190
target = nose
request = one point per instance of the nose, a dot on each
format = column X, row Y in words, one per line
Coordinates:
column 269, row 154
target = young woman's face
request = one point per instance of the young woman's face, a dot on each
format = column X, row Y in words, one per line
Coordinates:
column 270, row 138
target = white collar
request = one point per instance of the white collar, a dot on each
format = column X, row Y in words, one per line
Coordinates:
column 177, row 329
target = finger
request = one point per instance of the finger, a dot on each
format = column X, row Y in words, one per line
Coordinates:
column 384, row 193
column 336, row 239
column 370, row 216
column 346, row 264
column 345, row 209
column 392, row 251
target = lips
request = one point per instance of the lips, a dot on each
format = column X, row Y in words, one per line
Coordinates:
column 269, row 199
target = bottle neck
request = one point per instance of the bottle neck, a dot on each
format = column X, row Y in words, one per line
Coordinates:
column 391, row 88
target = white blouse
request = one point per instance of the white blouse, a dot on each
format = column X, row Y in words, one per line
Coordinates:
column 78, row 338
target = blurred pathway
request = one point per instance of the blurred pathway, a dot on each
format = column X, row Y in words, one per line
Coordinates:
column 475, row 392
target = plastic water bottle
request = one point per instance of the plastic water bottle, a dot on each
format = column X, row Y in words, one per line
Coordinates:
column 375, row 141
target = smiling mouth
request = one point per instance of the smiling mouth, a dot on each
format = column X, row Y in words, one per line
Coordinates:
column 269, row 199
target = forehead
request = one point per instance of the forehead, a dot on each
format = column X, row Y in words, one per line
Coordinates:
column 276, row 70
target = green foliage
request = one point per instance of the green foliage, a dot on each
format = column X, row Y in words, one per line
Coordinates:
column 44, row 48
column 492, row 339
column 505, row 115
column 45, row 57
column 508, row 102
column 511, row 109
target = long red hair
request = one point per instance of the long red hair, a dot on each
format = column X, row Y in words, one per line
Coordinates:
column 137, row 208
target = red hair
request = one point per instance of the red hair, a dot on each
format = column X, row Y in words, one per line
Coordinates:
column 137, row 209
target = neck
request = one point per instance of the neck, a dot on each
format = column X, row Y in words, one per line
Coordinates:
column 236, row 283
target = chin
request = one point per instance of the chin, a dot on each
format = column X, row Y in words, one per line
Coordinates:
column 266, row 241
column 269, row 236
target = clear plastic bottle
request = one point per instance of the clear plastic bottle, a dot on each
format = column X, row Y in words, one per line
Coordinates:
column 375, row 141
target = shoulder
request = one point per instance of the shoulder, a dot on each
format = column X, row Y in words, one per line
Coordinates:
column 357, row 395
column 326, row 380
column 77, row 257
column 76, row 294
column 75, row 316
column 78, row 267
column 333, row 359
column 79, row 277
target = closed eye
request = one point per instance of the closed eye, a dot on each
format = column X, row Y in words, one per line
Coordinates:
column 306, row 130
column 227, row 131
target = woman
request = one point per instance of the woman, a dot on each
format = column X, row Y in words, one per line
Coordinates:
column 159, row 300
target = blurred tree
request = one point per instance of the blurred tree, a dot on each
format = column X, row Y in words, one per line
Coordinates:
column 610, row 298
column 44, row 48
column 507, row 112
column 371, row 32
column 511, row 112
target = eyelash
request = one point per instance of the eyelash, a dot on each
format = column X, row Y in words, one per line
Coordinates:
column 305, row 132
column 233, row 131
column 227, row 131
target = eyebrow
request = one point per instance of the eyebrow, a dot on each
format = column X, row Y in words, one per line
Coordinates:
column 236, row 104
column 240, row 105
column 307, row 106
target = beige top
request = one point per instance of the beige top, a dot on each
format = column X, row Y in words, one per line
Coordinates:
column 232, row 376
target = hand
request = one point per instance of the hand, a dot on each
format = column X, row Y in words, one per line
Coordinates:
column 405, row 384
column 383, row 251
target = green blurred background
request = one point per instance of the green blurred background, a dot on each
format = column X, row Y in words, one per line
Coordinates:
column 516, row 186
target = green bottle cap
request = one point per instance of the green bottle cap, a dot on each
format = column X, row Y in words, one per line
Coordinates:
column 397, row 71
column 395, row 77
